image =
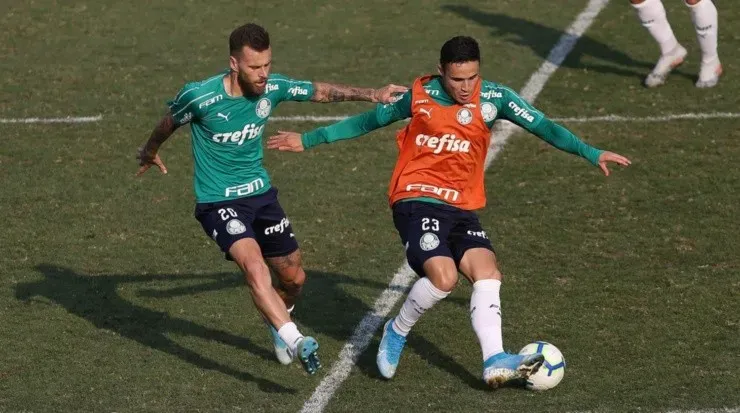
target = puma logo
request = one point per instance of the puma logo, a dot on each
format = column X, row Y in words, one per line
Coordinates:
column 428, row 112
column 226, row 116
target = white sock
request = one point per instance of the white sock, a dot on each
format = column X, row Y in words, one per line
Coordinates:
column 423, row 296
column 290, row 335
column 485, row 313
column 704, row 16
column 653, row 17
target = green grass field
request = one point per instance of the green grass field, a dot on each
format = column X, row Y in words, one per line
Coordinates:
column 112, row 299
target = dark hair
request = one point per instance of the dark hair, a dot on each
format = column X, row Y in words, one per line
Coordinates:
column 459, row 49
column 250, row 34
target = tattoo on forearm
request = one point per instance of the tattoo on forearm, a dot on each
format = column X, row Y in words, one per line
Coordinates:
column 326, row 92
column 164, row 129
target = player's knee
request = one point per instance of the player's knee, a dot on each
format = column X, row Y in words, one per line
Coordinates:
column 446, row 283
column 444, row 280
column 293, row 282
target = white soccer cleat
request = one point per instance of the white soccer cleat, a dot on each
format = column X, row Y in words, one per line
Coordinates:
column 709, row 74
column 665, row 64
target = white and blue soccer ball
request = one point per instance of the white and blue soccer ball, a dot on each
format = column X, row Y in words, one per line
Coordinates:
column 552, row 370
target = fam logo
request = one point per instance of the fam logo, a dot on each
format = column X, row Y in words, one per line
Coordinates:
column 489, row 111
column 263, row 108
column 432, row 92
column 210, row 101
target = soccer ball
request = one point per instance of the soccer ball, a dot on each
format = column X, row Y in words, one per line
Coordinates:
column 551, row 371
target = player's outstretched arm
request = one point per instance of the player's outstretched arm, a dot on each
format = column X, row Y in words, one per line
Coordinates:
column 565, row 140
column 517, row 110
column 328, row 92
column 352, row 127
column 147, row 154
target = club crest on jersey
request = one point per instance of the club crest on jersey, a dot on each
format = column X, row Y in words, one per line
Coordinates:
column 263, row 108
column 464, row 116
column 235, row 227
column 429, row 241
column 489, row 111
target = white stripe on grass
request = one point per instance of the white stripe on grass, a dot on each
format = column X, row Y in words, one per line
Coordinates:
column 67, row 119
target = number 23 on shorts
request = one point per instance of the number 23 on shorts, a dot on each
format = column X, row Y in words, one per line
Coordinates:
column 429, row 224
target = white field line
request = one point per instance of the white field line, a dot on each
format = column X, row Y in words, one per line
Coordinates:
column 68, row 119
column 364, row 331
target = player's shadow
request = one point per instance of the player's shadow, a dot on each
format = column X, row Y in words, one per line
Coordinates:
column 541, row 39
column 96, row 299
column 327, row 308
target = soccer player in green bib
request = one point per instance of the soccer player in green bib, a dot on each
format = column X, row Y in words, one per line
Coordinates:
column 235, row 201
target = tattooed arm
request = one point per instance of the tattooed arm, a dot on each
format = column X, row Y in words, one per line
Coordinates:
column 328, row 92
column 148, row 153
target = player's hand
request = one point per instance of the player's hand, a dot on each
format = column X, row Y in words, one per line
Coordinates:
column 388, row 94
column 607, row 156
column 286, row 141
column 146, row 160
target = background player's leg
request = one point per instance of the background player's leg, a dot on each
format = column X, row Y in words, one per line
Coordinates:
column 704, row 17
column 653, row 17
column 479, row 266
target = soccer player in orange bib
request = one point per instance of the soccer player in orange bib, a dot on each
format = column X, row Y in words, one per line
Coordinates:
column 437, row 184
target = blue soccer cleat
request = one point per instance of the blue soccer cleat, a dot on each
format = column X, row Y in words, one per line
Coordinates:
column 389, row 351
column 306, row 350
column 503, row 368
column 281, row 348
